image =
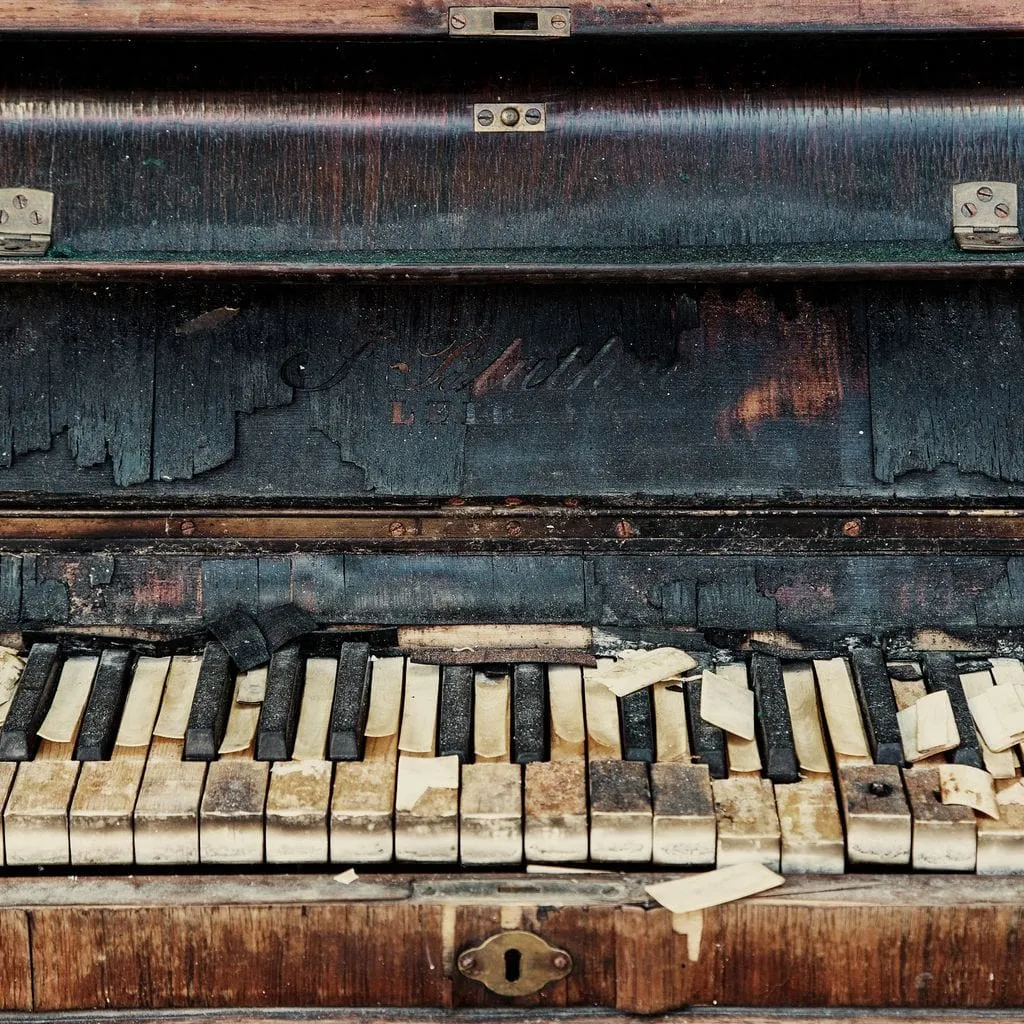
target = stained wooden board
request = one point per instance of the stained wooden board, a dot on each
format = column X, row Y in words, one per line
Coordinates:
column 360, row 18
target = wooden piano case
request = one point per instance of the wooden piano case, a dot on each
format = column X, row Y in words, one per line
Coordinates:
column 700, row 359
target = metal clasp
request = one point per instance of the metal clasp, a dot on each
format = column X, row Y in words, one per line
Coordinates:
column 515, row 963
column 517, row 22
column 985, row 215
column 26, row 221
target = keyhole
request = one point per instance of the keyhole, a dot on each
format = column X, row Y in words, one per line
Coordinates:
column 513, row 960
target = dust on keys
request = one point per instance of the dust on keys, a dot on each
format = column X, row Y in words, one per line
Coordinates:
column 654, row 757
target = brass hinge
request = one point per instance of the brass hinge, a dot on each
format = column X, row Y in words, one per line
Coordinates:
column 26, row 218
column 517, row 22
column 985, row 215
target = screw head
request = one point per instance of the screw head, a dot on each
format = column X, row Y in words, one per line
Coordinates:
column 21, row 201
column 852, row 528
column 457, row 21
column 514, row 530
column 396, row 529
column 188, row 527
column 1001, row 210
column 510, row 117
column 485, row 118
column 467, row 963
column 879, row 789
column 558, row 21
column 560, row 961
column 624, row 528
column 984, row 194
column 968, row 209
column 533, row 116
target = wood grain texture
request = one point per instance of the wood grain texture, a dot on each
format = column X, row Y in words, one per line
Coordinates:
column 16, row 962
column 306, row 940
column 429, row 17
column 365, row 153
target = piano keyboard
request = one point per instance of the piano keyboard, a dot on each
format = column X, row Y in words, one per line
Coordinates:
column 121, row 759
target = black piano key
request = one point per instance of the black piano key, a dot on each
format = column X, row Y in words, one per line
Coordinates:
column 707, row 741
column 941, row 673
column 242, row 638
column 279, row 716
column 351, row 704
column 874, row 690
column 529, row 713
column 455, row 722
column 211, row 704
column 19, row 737
column 636, row 717
column 771, row 720
column 102, row 713
column 284, row 624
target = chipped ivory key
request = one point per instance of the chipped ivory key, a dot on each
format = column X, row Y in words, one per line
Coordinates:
column 802, row 700
column 713, row 888
column 727, row 705
column 936, row 726
column 842, row 711
column 999, row 715
column 427, row 809
column 968, row 787
column 633, row 670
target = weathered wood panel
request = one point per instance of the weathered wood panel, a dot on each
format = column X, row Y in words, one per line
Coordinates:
column 653, row 150
column 930, row 941
column 15, row 962
column 804, row 595
column 360, row 954
column 220, row 394
column 430, row 17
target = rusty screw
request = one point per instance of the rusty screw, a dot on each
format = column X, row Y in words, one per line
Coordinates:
column 514, row 530
column 969, row 209
column 188, row 527
column 397, row 529
column 558, row 21
column 510, row 117
column 1001, row 210
column 485, row 118
column 624, row 528
column 467, row 963
column 852, row 528
column 533, row 116
column 457, row 21
column 984, row 194
column 560, row 961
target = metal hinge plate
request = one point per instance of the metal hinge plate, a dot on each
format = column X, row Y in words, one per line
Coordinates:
column 509, row 117
column 985, row 215
column 517, row 22
column 26, row 218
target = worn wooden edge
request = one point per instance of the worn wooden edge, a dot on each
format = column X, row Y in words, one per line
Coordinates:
column 697, row 1015
column 550, row 526
column 430, row 18
column 601, row 889
column 736, row 271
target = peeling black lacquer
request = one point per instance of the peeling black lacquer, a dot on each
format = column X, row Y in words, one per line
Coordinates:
column 455, row 717
column 346, row 733
column 941, row 673
column 878, row 705
column 529, row 713
column 211, row 704
column 242, row 639
column 102, row 714
column 284, row 625
column 19, row 737
column 774, row 728
column 279, row 715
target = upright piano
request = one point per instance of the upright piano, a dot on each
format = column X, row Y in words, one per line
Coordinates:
column 469, row 473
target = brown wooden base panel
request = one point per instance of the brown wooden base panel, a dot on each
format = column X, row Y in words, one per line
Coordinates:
column 205, row 942
column 696, row 1016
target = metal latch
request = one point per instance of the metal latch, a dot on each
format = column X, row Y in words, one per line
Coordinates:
column 518, row 22
column 26, row 219
column 515, row 963
column 509, row 117
column 985, row 215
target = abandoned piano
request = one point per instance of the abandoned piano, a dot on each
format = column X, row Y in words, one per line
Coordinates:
column 465, row 467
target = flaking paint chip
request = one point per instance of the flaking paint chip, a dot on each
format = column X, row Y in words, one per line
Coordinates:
column 630, row 671
column 346, row 877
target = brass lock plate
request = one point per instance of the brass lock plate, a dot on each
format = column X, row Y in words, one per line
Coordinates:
column 515, row 963
column 515, row 22
column 510, row 117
